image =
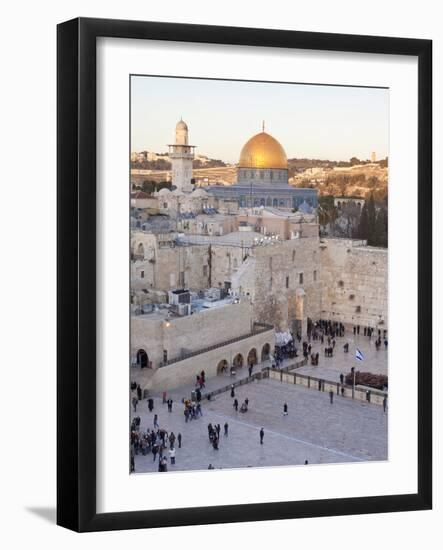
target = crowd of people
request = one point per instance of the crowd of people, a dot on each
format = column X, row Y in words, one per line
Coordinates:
column 155, row 441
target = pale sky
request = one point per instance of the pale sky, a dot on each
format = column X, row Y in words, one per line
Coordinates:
column 313, row 121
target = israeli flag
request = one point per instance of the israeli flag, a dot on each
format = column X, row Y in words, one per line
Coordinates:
column 359, row 355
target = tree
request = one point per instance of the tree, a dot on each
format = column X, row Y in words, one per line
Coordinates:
column 381, row 228
column 363, row 226
column 372, row 214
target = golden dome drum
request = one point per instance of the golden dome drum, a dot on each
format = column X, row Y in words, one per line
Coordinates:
column 263, row 151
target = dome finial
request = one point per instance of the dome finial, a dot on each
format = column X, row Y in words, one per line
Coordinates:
column 263, row 126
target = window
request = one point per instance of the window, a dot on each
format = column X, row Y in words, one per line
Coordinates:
column 315, row 276
column 287, row 281
column 293, row 255
column 142, row 274
column 300, row 278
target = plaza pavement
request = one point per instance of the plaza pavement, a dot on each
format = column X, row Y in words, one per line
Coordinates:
column 314, row 430
column 330, row 368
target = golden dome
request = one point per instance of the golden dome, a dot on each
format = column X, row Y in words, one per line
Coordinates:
column 263, row 151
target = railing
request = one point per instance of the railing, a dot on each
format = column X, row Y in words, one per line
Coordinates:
column 260, row 375
column 254, row 332
column 292, row 366
column 312, row 382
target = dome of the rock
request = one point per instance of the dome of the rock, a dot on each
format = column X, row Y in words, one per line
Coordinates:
column 263, row 151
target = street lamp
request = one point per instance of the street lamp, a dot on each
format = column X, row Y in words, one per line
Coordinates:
column 353, row 381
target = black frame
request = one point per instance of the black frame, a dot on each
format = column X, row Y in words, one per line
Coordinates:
column 76, row 281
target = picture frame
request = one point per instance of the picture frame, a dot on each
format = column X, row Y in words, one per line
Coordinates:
column 77, row 274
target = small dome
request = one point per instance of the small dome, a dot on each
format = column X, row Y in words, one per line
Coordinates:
column 164, row 191
column 199, row 193
column 263, row 151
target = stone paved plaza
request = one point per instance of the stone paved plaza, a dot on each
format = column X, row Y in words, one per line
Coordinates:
column 314, row 430
column 330, row 368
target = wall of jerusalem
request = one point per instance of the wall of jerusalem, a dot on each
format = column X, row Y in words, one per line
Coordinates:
column 354, row 283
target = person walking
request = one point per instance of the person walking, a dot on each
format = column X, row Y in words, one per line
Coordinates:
column 154, row 451
column 342, row 378
column 169, row 402
column 247, row 403
column 156, row 424
column 164, row 397
column 262, row 435
column 150, row 404
column 236, row 404
column 232, row 390
column 285, row 409
column 226, row 426
column 179, row 439
column 331, row 396
column 172, row 455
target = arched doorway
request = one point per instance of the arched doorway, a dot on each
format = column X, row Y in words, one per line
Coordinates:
column 222, row 367
column 238, row 361
column 265, row 352
column 142, row 358
column 252, row 357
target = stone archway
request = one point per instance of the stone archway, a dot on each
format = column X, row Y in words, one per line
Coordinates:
column 142, row 359
column 222, row 367
column 265, row 352
column 238, row 361
column 252, row 357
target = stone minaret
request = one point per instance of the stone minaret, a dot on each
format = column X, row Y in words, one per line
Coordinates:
column 181, row 155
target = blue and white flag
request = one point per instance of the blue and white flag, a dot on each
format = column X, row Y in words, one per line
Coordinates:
column 359, row 355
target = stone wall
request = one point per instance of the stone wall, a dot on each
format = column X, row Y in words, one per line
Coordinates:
column 275, row 274
column 185, row 371
column 355, row 283
column 190, row 333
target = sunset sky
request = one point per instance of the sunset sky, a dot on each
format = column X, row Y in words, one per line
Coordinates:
column 313, row 121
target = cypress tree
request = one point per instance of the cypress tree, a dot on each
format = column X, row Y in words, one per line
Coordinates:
column 363, row 225
column 372, row 215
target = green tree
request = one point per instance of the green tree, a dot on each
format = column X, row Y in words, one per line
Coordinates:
column 372, row 215
column 363, row 226
column 381, row 228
